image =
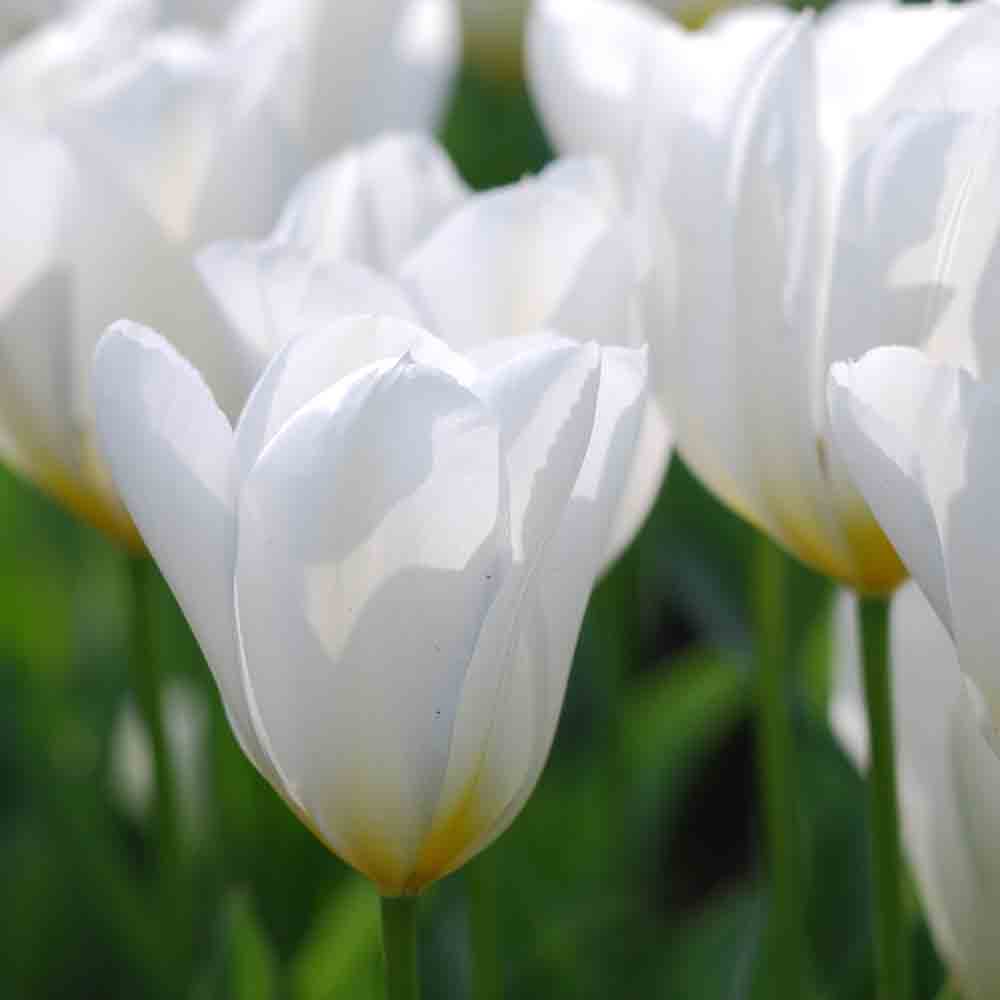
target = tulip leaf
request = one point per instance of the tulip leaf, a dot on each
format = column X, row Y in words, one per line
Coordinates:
column 673, row 718
column 341, row 953
column 245, row 966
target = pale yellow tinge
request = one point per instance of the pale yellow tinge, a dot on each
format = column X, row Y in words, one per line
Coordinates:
column 88, row 505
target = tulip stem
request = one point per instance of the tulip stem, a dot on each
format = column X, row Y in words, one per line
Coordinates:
column 778, row 773
column 892, row 953
column 148, row 690
column 487, row 976
column 399, row 942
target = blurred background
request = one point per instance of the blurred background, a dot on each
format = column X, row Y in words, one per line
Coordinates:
column 634, row 870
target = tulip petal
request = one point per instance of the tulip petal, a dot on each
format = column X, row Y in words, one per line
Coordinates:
column 644, row 482
column 919, row 219
column 170, row 450
column 586, row 59
column 415, row 84
column 270, row 293
column 372, row 540
column 514, row 689
column 375, row 202
column 971, row 546
column 502, row 264
column 38, row 380
column 312, row 363
column 900, row 422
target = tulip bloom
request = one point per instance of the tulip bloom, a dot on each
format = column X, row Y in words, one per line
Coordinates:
column 919, row 438
column 124, row 152
column 386, row 563
column 951, row 821
column 801, row 180
column 389, row 227
column 494, row 29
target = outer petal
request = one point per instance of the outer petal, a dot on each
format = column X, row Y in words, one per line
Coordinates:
column 645, row 479
column 877, row 60
column 170, row 450
column 509, row 260
column 514, row 690
column 901, row 422
column 312, row 363
column 586, row 60
column 271, row 292
column 950, row 827
column 375, row 202
column 918, row 226
column 350, row 62
column 417, row 82
column 37, row 379
column 371, row 539
column 48, row 66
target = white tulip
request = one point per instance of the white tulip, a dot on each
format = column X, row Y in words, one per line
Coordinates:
column 389, row 227
column 804, row 184
column 919, row 439
column 386, row 563
column 351, row 69
column 124, row 152
column 949, row 777
column 494, row 29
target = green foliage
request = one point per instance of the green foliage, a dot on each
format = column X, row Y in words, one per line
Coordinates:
column 633, row 871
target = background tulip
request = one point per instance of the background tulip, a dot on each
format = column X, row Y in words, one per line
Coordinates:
column 386, row 564
column 918, row 436
column 389, row 227
column 800, row 210
column 126, row 151
column 949, row 775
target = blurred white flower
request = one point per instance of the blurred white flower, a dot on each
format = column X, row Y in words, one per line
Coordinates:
column 494, row 30
column 806, row 187
column 185, row 717
column 389, row 227
column 127, row 150
column 949, row 783
column 919, row 438
column 386, row 564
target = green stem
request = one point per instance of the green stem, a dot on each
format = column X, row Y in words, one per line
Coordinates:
column 399, row 942
column 892, row 957
column 147, row 684
column 487, row 975
column 778, row 773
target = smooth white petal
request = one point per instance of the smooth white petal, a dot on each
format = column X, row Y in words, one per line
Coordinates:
column 900, row 423
column 314, row 362
column 918, row 224
column 545, row 401
column 514, row 689
column 49, row 65
column 586, row 63
column 878, row 60
column 37, row 378
column 170, row 450
column 350, row 62
column 151, row 124
column 503, row 263
column 371, row 542
column 375, row 202
column 971, row 545
column 416, row 83
column 271, row 293
column 645, row 480
column 256, row 158
column 950, row 826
